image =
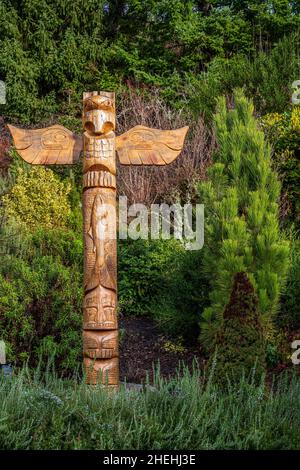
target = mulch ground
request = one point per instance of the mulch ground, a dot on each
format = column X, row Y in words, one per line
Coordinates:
column 143, row 348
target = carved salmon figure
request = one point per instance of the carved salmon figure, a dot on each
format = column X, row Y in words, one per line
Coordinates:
column 99, row 233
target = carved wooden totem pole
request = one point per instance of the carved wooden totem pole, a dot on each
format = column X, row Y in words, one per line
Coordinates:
column 138, row 146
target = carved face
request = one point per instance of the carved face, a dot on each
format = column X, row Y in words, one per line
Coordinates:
column 99, row 114
column 99, row 138
column 99, row 310
column 100, row 344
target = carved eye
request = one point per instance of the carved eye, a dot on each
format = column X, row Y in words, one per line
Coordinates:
column 107, row 104
column 88, row 105
column 142, row 136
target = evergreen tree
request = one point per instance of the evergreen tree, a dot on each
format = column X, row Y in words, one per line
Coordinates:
column 240, row 347
column 53, row 50
column 241, row 217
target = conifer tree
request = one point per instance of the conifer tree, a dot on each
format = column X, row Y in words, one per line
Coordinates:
column 240, row 347
column 241, row 217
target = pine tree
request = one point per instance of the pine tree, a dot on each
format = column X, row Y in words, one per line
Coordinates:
column 241, row 218
column 240, row 347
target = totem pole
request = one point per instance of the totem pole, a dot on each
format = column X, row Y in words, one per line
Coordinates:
column 139, row 146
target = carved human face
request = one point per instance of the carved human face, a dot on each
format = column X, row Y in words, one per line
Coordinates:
column 99, row 114
column 100, row 344
column 99, row 310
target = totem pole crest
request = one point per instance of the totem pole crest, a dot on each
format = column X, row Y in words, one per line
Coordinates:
column 138, row 146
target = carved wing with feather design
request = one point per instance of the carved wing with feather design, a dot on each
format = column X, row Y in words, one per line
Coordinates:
column 53, row 145
column 145, row 146
column 139, row 146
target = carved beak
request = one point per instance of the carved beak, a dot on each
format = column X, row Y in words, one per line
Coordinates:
column 99, row 122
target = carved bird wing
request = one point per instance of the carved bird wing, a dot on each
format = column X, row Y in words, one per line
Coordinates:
column 145, row 146
column 48, row 146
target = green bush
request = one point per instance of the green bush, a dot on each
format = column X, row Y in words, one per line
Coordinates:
column 242, row 228
column 159, row 278
column 290, row 299
column 40, row 412
column 41, row 300
column 240, row 345
column 183, row 293
column 38, row 199
column 51, row 51
column 141, row 267
column 283, row 131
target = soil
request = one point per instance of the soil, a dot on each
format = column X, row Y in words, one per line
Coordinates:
column 145, row 349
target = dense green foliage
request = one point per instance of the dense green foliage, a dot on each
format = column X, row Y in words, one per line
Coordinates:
column 160, row 278
column 242, row 226
column 240, row 345
column 290, row 300
column 283, row 132
column 184, row 413
column 51, row 51
column 38, row 199
column 41, row 298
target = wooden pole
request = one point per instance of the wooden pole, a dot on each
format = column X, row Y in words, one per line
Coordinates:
column 100, row 327
column 139, row 146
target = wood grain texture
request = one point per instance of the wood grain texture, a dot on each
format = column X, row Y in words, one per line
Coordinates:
column 100, row 344
column 103, row 371
column 100, row 335
column 53, row 145
column 145, row 146
column 99, row 309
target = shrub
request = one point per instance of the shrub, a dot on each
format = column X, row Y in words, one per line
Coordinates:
column 141, row 264
column 242, row 229
column 159, row 278
column 283, row 131
column 184, row 291
column 41, row 301
column 240, row 346
column 290, row 298
column 38, row 199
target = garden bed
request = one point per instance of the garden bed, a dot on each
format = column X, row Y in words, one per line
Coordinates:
column 143, row 347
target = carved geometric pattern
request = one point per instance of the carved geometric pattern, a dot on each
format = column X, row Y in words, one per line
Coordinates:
column 105, row 371
column 49, row 146
column 99, row 178
column 100, row 344
column 145, row 146
column 100, row 336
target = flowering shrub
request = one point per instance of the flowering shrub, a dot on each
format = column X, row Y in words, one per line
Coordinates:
column 283, row 131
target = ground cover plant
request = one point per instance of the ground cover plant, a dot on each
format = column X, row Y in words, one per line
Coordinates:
column 188, row 412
